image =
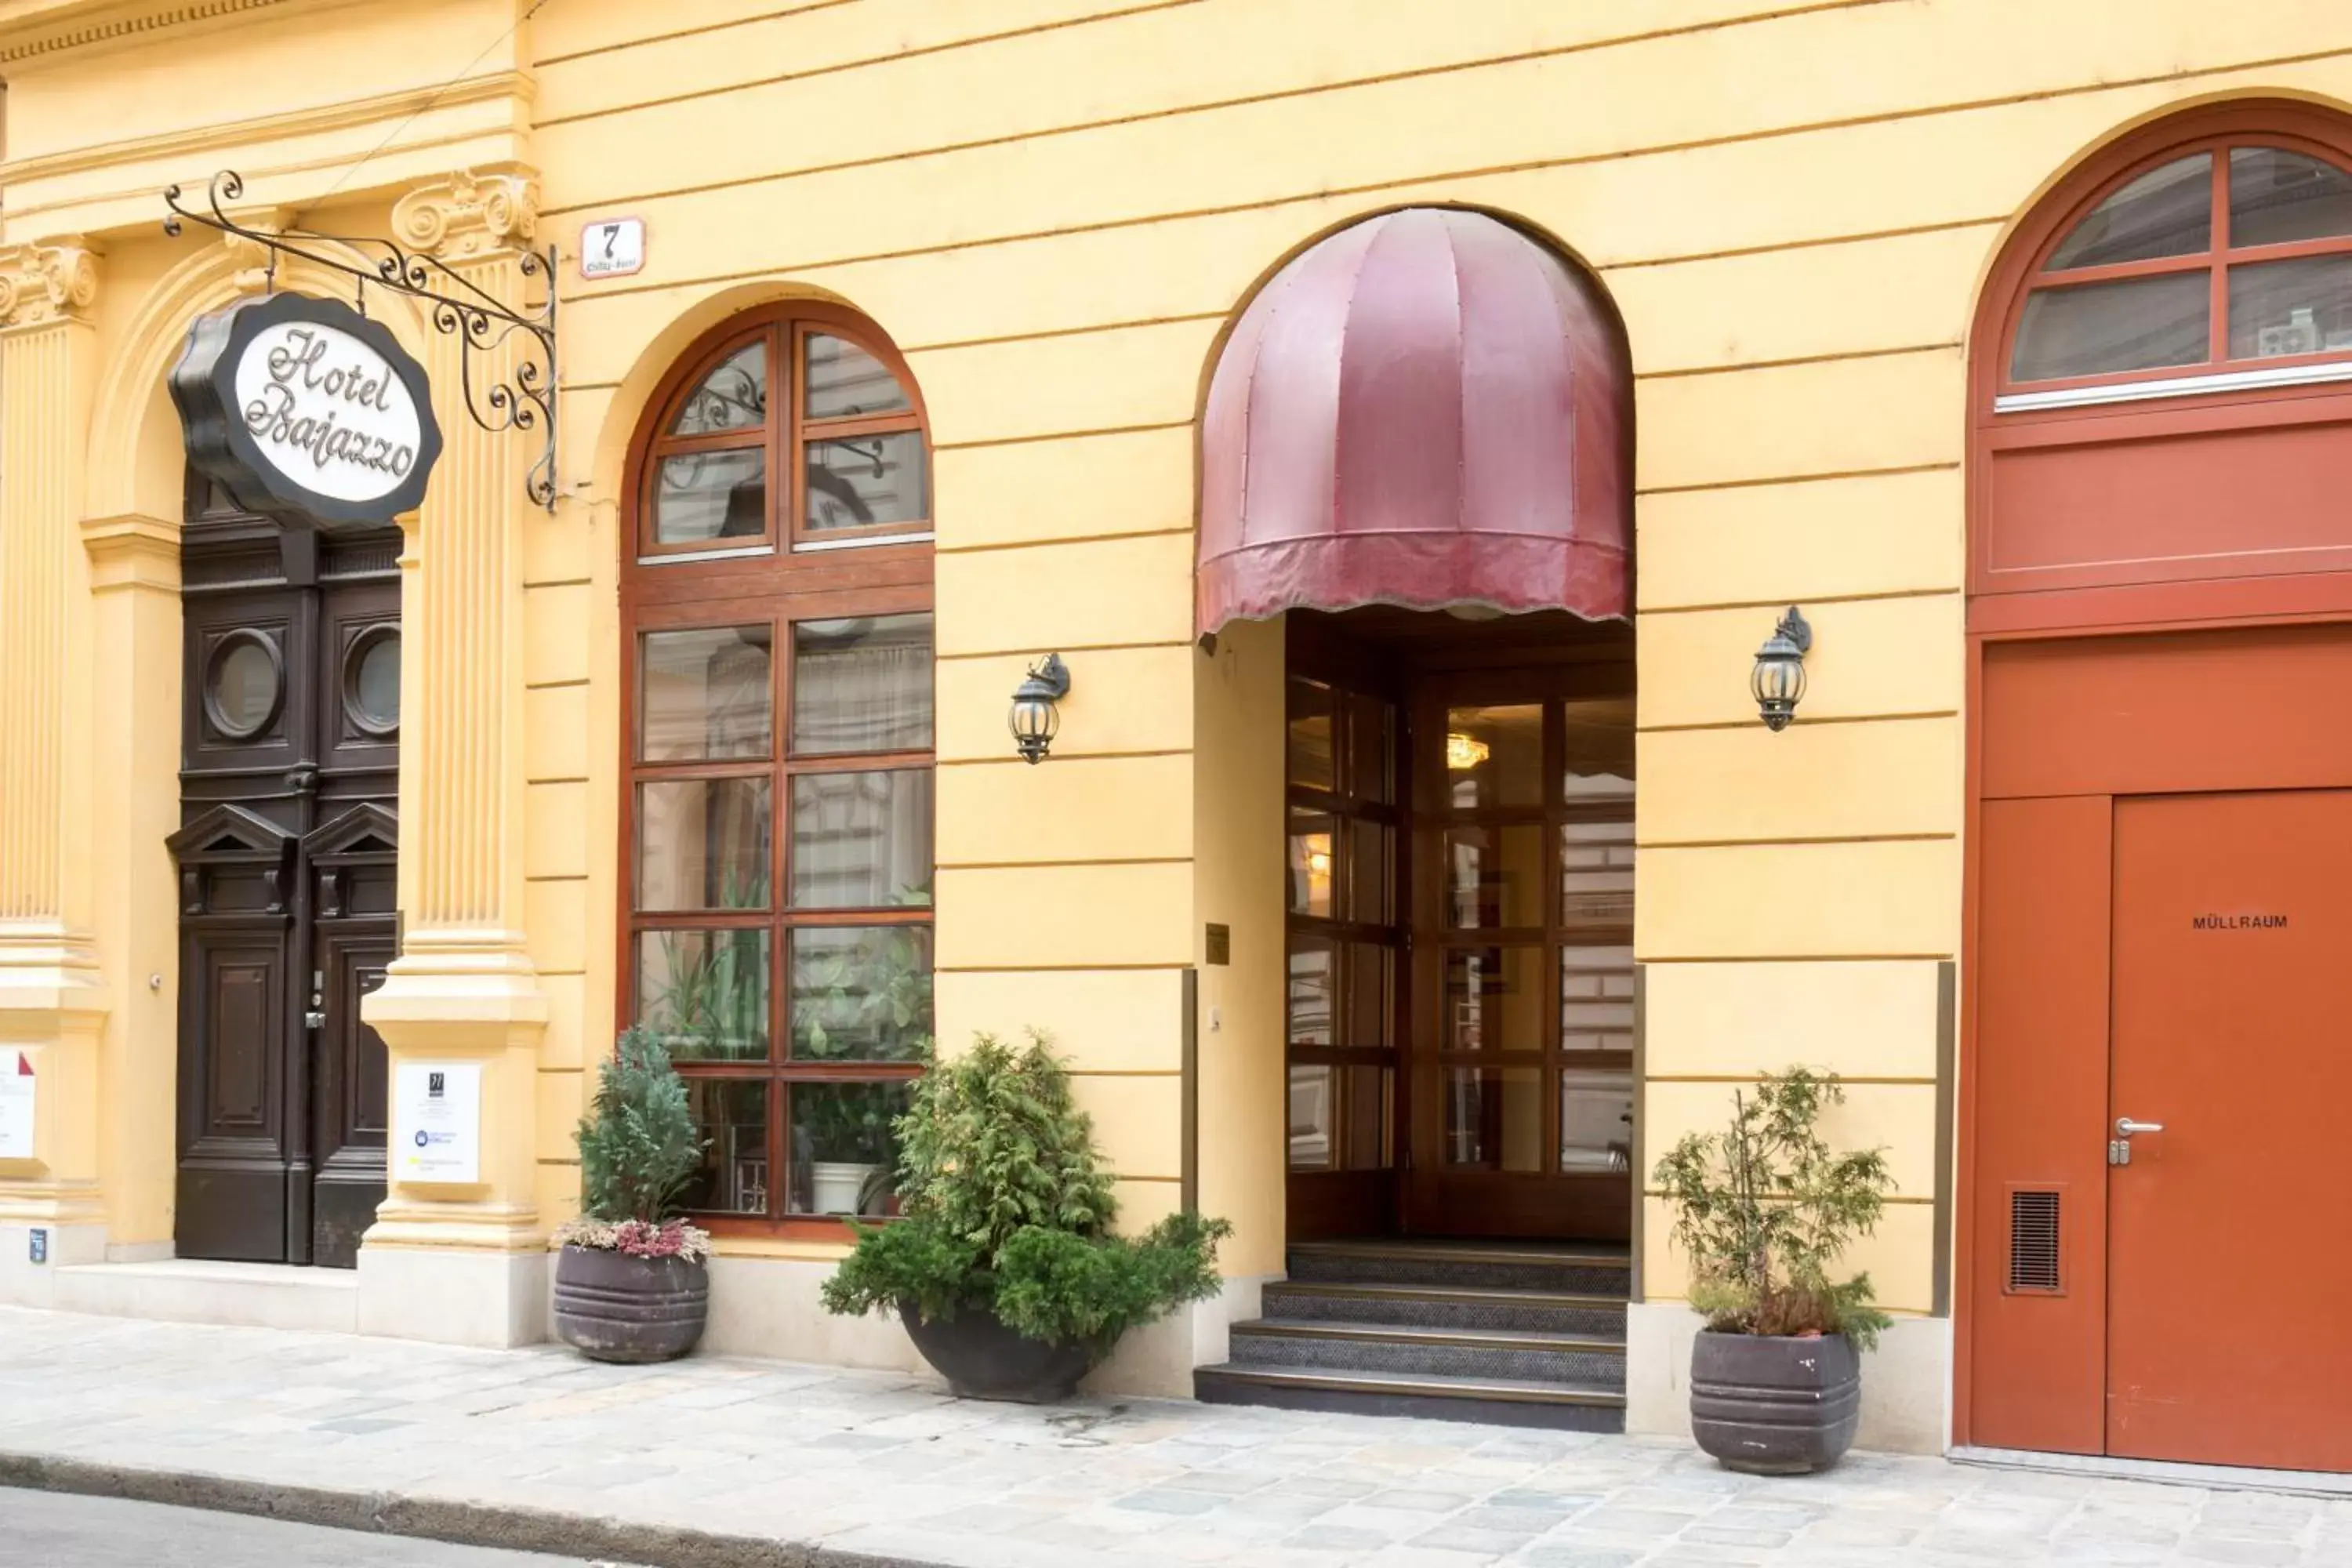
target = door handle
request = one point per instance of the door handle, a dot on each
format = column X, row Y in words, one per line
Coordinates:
column 314, row 1020
column 2126, row 1127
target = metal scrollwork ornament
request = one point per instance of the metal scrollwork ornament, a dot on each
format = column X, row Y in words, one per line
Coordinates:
column 506, row 368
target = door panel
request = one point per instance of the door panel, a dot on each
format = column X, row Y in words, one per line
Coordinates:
column 241, row 1031
column 232, row 1189
column 352, row 1072
column 2227, row 1279
column 1521, row 1045
column 2167, row 713
column 2038, row 1353
column 1344, row 950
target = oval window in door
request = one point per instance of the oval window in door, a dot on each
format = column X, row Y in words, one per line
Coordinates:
column 371, row 681
column 244, row 680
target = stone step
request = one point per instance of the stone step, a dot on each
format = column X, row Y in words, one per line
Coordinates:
column 1428, row 1395
column 1597, row 1270
column 1442, row 1307
column 1587, row 1360
column 192, row 1291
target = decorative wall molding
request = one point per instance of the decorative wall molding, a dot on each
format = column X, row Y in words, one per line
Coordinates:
column 253, row 258
column 85, row 26
column 468, row 214
column 46, row 282
column 244, row 134
column 132, row 551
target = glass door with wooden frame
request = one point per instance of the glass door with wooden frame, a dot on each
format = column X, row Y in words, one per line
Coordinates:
column 1345, row 957
column 1522, row 939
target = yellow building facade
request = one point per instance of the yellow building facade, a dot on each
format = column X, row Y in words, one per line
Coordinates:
column 1052, row 213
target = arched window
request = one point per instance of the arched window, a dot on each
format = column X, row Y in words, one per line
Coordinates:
column 778, row 754
column 2231, row 253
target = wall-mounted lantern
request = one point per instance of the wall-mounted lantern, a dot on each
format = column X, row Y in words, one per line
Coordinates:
column 1036, row 712
column 1778, row 681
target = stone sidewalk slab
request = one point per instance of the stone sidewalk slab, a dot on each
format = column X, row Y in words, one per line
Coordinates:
column 714, row 1461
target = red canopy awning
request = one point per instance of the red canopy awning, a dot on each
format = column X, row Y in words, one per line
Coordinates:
column 1426, row 408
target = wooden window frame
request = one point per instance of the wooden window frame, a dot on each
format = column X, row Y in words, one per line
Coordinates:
column 784, row 436
column 886, row 570
column 2215, row 260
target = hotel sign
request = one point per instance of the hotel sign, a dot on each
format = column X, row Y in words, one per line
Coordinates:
column 307, row 410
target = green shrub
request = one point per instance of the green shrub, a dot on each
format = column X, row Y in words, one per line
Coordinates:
column 1764, row 1207
column 1005, row 1206
column 638, row 1144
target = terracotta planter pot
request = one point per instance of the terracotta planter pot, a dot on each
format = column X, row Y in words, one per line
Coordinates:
column 1775, row 1407
column 982, row 1358
column 610, row 1306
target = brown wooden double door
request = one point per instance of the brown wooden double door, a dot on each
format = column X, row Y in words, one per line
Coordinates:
column 1461, row 906
column 287, row 863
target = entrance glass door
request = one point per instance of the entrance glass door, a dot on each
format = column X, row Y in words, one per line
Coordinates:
column 1520, row 1049
column 1345, row 954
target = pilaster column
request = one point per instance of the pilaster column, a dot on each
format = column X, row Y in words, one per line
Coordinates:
column 52, row 1007
column 136, row 685
column 463, row 989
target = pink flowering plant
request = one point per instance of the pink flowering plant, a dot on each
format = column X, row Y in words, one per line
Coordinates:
column 670, row 1238
column 638, row 1149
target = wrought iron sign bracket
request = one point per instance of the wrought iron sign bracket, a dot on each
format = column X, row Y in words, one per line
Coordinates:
column 522, row 398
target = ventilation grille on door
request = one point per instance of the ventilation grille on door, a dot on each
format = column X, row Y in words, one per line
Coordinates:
column 2033, row 1241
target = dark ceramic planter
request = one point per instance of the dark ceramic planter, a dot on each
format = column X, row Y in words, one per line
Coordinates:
column 982, row 1358
column 1775, row 1407
column 610, row 1306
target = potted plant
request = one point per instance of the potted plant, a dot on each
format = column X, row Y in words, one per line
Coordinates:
column 708, row 997
column 868, row 1001
column 846, row 1129
column 1762, row 1210
column 631, row 1279
column 1004, row 1266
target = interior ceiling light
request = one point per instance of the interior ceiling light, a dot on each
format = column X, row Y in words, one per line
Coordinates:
column 1464, row 751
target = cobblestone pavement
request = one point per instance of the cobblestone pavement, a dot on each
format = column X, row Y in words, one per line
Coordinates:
column 888, row 1464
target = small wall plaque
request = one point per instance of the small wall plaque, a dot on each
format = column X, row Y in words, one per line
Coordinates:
column 612, row 247
column 19, row 1089
column 436, row 1121
column 1221, row 945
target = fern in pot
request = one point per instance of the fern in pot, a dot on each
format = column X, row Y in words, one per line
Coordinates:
column 632, row 1279
column 1763, row 1210
column 1004, row 1266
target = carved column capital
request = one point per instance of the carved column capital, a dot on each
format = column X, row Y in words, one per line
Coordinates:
column 50, row 282
column 468, row 214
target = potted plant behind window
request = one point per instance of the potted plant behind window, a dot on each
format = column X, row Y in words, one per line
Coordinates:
column 1004, row 1266
column 631, row 1279
column 848, row 1128
column 1762, row 1210
column 868, row 1002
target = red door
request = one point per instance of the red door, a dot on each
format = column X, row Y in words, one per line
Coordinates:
column 2229, row 1273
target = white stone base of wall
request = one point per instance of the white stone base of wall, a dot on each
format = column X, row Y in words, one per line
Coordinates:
column 456, row 1297
column 25, row 1283
column 1907, row 1382
column 769, row 1307
column 765, row 1307
column 1157, row 1361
